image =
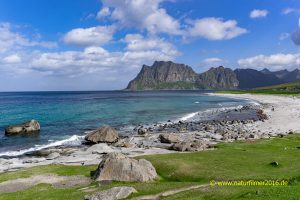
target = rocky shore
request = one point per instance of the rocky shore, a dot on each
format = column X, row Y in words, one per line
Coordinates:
column 201, row 132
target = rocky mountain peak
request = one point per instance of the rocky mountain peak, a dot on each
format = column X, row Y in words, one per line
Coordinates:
column 170, row 75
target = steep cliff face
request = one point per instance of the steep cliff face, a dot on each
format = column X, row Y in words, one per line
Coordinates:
column 164, row 75
column 217, row 78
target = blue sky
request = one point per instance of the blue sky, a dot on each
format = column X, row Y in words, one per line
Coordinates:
column 102, row 44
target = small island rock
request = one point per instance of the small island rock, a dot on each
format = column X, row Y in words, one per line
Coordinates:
column 31, row 126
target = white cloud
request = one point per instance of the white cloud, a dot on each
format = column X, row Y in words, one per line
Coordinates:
column 258, row 13
column 98, row 35
column 137, row 42
column 94, row 59
column 212, row 62
column 11, row 40
column 284, row 36
column 215, row 29
column 287, row 11
column 104, row 12
column 141, row 14
column 14, row 58
column 274, row 62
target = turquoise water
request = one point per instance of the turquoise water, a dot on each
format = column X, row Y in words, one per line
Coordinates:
column 65, row 114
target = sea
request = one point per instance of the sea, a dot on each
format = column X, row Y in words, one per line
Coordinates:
column 65, row 117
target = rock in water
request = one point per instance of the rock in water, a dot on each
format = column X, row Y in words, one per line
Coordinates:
column 113, row 193
column 32, row 126
column 118, row 167
column 169, row 138
column 103, row 134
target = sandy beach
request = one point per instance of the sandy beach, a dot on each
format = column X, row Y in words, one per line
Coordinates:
column 285, row 116
column 283, row 113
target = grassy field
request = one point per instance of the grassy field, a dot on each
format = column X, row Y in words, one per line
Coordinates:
column 282, row 89
column 247, row 160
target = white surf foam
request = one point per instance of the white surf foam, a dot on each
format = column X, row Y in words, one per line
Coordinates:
column 188, row 116
column 75, row 140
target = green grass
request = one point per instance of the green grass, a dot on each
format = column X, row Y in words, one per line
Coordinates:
column 238, row 160
column 48, row 169
column 238, row 192
column 230, row 161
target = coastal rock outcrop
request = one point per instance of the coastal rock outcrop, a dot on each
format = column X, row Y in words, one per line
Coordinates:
column 105, row 134
column 112, row 194
column 31, row 126
column 118, row 167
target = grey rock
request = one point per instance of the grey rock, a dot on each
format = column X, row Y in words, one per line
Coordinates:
column 114, row 193
column 169, row 138
column 103, row 134
column 198, row 145
column 52, row 156
column 31, row 126
column 100, row 149
column 142, row 131
column 118, row 167
column 125, row 142
column 181, row 146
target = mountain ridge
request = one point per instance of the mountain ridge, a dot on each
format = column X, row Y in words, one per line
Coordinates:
column 170, row 75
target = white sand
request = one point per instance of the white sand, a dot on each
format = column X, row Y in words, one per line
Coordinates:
column 284, row 118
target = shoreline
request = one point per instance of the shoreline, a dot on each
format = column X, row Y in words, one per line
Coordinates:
column 204, row 134
column 77, row 140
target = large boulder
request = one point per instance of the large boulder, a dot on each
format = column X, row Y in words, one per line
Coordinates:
column 118, row 167
column 31, row 126
column 169, row 138
column 103, row 134
column 113, row 193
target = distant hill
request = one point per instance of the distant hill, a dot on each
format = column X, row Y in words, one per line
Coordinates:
column 250, row 78
column 285, row 75
column 217, row 78
column 169, row 75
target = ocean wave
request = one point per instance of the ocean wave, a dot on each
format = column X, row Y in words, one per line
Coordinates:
column 74, row 140
column 188, row 116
